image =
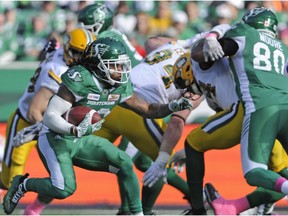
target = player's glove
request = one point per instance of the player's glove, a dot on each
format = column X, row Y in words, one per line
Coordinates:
column 157, row 170
column 178, row 161
column 180, row 104
column 212, row 49
column 27, row 134
column 50, row 46
column 85, row 127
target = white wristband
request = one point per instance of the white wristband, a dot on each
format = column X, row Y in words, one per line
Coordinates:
column 163, row 157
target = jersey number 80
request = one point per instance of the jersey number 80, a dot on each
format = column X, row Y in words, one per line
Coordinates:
column 265, row 59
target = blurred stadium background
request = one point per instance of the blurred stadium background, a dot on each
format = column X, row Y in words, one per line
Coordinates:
column 26, row 26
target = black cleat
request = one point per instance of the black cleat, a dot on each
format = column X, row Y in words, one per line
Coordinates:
column 211, row 194
column 14, row 193
column 266, row 209
column 201, row 211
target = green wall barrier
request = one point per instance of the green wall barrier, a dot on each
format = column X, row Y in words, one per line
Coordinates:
column 14, row 79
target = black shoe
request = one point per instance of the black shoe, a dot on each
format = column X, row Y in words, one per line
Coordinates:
column 211, row 194
column 120, row 212
column 14, row 193
column 152, row 213
column 266, row 209
column 201, row 211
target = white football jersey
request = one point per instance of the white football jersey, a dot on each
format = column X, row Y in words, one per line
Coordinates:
column 217, row 84
column 152, row 78
column 48, row 74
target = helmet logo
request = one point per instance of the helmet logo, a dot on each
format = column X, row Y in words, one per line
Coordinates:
column 181, row 62
column 266, row 23
column 99, row 14
column 252, row 13
column 101, row 49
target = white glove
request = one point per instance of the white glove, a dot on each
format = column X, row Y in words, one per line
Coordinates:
column 85, row 127
column 27, row 134
column 212, row 49
column 97, row 125
column 180, row 104
column 178, row 161
column 157, row 170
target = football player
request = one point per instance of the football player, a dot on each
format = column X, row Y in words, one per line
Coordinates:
column 99, row 19
column 220, row 131
column 213, row 79
column 33, row 103
column 100, row 80
column 257, row 58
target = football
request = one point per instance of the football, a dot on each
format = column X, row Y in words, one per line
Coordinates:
column 76, row 114
column 197, row 51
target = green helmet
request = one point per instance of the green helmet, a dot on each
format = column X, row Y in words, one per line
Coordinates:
column 107, row 56
column 262, row 19
column 95, row 18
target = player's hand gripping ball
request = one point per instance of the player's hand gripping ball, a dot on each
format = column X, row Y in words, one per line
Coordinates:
column 76, row 114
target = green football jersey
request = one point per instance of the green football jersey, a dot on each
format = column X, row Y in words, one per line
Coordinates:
column 89, row 92
column 131, row 51
column 258, row 68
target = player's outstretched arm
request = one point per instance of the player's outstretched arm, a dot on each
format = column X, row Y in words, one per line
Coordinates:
column 155, row 110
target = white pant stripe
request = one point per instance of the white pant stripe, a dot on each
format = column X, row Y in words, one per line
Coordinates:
column 57, row 178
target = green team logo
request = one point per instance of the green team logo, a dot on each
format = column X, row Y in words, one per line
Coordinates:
column 99, row 14
column 101, row 49
column 74, row 75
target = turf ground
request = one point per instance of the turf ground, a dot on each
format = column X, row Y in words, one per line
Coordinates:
column 112, row 210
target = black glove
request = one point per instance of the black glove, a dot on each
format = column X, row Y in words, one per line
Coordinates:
column 50, row 46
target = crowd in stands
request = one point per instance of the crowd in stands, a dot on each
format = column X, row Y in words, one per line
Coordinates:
column 25, row 26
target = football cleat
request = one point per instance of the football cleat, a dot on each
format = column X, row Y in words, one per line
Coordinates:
column 14, row 193
column 120, row 212
column 217, row 203
column 201, row 211
column 211, row 194
column 266, row 209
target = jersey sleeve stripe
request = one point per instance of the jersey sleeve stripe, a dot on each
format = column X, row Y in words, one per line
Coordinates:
column 54, row 77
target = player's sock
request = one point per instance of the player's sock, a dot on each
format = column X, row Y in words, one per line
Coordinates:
column 149, row 196
column 230, row 207
column 283, row 185
column 177, row 182
column 195, row 167
column 35, row 208
column 241, row 204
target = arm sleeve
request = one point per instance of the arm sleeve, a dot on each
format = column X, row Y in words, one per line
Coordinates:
column 53, row 115
column 229, row 46
column 221, row 29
